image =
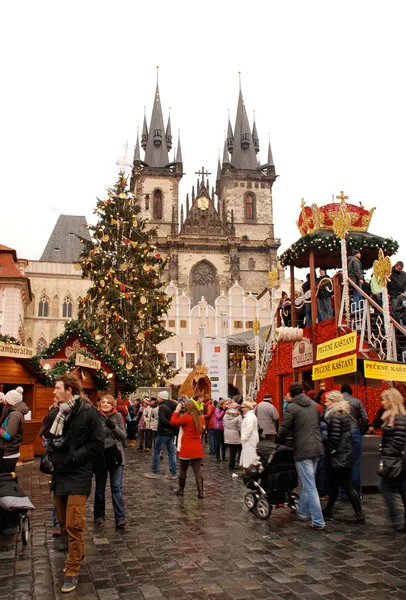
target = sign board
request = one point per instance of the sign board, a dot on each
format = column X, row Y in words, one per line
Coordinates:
column 84, row 361
column 215, row 358
column 302, row 353
column 385, row 371
column 16, row 351
column 339, row 366
column 344, row 343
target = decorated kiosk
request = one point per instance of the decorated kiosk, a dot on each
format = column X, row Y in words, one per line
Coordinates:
column 361, row 343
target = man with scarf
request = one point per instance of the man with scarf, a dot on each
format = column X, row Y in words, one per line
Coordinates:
column 75, row 437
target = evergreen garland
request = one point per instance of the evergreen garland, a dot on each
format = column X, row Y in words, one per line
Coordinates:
column 331, row 243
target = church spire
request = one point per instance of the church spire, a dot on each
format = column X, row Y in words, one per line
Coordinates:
column 255, row 137
column 156, row 153
column 144, row 137
column 226, row 159
column 230, row 136
column 218, row 168
column 137, row 154
column 179, row 151
column 270, row 157
column 169, row 132
column 243, row 156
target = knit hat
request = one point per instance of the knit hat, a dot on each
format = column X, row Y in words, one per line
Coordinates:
column 355, row 252
column 14, row 396
column 163, row 395
column 311, row 394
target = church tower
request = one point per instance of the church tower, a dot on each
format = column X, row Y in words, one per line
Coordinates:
column 155, row 180
column 244, row 188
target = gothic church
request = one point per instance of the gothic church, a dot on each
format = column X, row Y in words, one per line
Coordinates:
column 226, row 233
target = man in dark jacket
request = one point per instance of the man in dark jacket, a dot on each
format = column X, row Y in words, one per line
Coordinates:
column 399, row 311
column 301, row 420
column 359, row 426
column 356, row 273
column 165, row 438
column 75, row 439
column 397, row 283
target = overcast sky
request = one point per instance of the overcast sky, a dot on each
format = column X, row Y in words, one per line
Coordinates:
column 325, row 79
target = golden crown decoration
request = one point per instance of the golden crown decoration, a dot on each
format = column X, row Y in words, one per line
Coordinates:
column 313, row 218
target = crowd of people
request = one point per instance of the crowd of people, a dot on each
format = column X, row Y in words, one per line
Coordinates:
column 84, row 442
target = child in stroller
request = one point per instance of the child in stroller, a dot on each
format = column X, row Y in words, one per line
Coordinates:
column 14, row 507
column 272, row 481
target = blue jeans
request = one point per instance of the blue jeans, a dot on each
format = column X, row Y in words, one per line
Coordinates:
column 357, row 296
column 309, row 501
column 211, row 441
column 161, row 442
column 116, row 486
column 325, row 309
column 308, row 313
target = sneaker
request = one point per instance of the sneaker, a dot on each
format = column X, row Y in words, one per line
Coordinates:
column 56, row 532
column 121, row 525
column 152, row 475
column 315, row 527
column 69, row 584
column 171, row 477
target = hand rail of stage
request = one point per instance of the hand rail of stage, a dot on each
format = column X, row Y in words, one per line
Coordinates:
column 361, row 321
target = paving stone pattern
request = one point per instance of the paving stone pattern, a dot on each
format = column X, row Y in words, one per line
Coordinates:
column 213, row 548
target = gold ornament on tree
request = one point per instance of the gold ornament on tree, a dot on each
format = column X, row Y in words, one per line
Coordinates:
column 105, row 238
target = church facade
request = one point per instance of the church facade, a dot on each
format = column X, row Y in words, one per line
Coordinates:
column 223, row 234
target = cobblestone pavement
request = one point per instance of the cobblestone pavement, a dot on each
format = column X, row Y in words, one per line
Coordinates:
column 189, row 548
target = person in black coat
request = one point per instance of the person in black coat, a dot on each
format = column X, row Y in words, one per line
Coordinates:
column 397, row 283
column 394, row 446
column 75, row 439
column 341, row 454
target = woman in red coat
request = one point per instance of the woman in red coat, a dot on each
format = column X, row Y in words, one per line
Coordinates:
column 190, row 447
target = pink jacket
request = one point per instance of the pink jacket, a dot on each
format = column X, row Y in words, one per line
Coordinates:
column 218, row 418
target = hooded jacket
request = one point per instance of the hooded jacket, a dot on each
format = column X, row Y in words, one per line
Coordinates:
column 302, row 420
column 339, row 444
column 397, row 283
column 355, row 272
column 13, row 427
column 267, row 416
column 166, row 409
column 232, row 426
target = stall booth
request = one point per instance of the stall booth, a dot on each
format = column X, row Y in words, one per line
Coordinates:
column 332, row 351
column 16, row 370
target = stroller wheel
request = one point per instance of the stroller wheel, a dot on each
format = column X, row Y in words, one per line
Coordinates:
column 24, row 527
column 250, row 501
column 263, row 508
column 293, row 502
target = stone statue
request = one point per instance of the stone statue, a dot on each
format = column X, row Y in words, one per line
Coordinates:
column 173, row 269
column 234, row 267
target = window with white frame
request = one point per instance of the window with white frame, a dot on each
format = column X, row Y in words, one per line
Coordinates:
column 171, row 358
column 190, row 360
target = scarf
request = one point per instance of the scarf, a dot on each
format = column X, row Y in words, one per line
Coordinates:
column 65, row 409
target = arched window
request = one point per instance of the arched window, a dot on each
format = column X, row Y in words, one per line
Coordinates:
column 43, row 305
column 251, row 263
column 204, row 282
column 157, row 206
column 67, row 307
column 41, row 345
column 249, row 206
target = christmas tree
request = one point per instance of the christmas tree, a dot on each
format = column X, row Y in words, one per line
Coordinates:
column 124, row 306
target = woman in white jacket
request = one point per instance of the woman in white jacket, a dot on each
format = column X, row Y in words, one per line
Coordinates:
column 249, row 434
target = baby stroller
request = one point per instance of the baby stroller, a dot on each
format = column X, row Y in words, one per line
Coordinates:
column 272, row 481
column 14, row 509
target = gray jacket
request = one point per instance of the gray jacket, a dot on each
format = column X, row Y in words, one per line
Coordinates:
column 355, row 272
column 232, row 427
column 114, row 436
column 267, row 415
column 302, row 421
column 358, row 414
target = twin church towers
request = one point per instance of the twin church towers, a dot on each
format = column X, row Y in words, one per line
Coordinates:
column 221, row 235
